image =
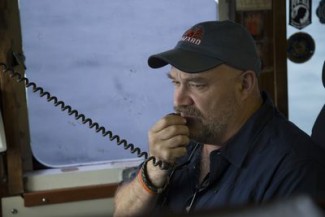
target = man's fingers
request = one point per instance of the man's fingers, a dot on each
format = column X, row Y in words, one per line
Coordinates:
column 168, row 120
column 172, row 131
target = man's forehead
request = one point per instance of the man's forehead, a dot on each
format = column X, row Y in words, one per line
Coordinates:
column 185, row 75
column 219, row 73
column 176, row 73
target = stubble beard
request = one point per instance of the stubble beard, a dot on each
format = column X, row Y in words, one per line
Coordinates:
column 212, row 128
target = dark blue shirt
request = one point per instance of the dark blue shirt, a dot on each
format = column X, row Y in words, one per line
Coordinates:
column 268, row 158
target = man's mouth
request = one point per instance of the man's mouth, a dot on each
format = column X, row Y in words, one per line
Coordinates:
column 190, row 119
column 187, row 115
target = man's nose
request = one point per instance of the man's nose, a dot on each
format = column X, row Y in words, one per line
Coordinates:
column 182, row 97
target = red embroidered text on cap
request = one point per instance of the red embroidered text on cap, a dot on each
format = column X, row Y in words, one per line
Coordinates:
column 193, row 35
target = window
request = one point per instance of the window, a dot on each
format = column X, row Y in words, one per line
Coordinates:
column 92, row 55
column 305, row 89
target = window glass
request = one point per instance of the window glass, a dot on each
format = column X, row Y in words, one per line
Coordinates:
column 92, row 54
column 305, row 89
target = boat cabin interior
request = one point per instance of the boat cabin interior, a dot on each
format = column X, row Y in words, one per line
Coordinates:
column 70, row 67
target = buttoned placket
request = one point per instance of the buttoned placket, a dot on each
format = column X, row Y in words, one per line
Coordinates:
column 198, row 189
column 212, row 178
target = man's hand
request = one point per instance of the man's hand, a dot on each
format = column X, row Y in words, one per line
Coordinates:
column 168, row 138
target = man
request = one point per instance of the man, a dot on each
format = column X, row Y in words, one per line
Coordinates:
column 227, row 144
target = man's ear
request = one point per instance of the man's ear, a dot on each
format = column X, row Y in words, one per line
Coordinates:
column 248, row 82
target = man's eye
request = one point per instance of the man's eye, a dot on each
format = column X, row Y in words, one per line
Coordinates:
column 175, row 83
column 196, row 85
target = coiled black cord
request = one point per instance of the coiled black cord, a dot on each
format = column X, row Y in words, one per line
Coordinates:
column 84, row 120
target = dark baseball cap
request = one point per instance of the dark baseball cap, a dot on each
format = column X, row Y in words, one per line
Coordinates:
column 209, row 44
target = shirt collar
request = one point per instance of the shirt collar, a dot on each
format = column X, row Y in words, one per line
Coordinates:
column 237, row 148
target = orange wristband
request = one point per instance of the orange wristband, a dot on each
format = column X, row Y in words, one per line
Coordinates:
column 146, row 183
column 145, row 187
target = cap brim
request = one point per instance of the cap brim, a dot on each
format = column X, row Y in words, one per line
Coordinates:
column 184, row 60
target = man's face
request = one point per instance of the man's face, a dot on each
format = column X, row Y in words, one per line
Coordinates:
column 208, row 100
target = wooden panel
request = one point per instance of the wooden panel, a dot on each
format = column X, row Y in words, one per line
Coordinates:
column 69, row 195
column 13, row 101
column 280, row 55
column 271, row 43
